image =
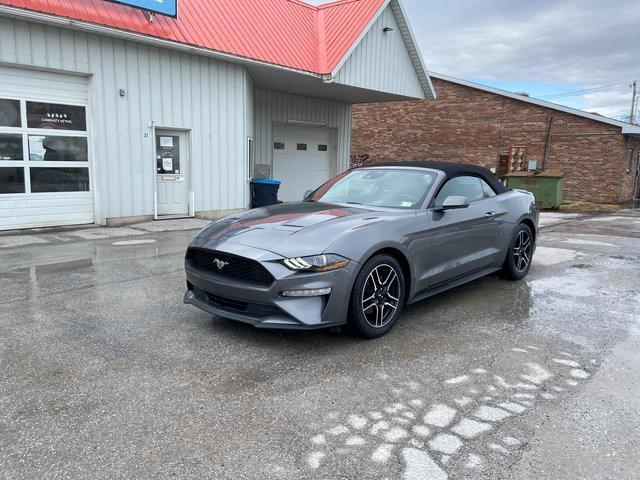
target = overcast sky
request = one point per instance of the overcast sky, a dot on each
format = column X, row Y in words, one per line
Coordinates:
column 540, row 46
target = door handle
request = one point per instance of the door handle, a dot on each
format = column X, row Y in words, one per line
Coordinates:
column 490, row 214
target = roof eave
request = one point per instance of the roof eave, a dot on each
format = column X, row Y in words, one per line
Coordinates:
column 414, row 49
column 626, row 128
column 88, row 27
column 26, row 14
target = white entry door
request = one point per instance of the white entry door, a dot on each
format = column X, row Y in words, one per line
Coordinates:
column 303, row 159
column 172, row 167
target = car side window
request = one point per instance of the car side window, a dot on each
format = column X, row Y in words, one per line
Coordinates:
column 488, row 191
column 466, row 186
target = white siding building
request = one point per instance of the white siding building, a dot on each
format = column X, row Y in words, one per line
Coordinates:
column 101, row 123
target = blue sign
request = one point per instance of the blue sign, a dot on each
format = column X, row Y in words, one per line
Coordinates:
column 163, row 7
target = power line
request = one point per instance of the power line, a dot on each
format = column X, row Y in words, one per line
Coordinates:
column 620, row 112
column 572, row 93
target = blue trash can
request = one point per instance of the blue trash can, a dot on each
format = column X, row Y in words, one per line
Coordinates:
column 264, row 192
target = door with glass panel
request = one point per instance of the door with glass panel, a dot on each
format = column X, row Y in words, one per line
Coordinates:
column 172, row 167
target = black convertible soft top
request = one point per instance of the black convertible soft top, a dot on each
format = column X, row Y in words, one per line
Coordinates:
column 451, row 170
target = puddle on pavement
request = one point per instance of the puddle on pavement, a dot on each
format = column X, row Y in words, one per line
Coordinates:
column 125, row 243
column 63, row 266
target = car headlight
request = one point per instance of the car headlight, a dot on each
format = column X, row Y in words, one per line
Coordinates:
column 316, row 263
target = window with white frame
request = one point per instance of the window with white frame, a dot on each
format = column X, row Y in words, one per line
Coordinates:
column 43, row 147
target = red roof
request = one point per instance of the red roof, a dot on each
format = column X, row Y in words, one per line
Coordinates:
column 288, row 33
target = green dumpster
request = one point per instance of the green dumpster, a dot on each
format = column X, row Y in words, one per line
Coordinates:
column 547, row 187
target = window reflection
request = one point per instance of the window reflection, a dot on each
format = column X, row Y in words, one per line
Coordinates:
column 11, row 180
column 11, row 147
column 51, row 148
column 44, row 179
column 9, row 113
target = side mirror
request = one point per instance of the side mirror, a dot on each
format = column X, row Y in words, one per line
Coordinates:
column 307, row 194
column 453, row 203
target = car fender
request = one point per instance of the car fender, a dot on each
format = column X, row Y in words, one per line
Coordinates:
column 360, row 246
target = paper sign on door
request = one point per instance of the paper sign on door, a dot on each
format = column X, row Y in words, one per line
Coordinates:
column 167, row 164
column 166, row 141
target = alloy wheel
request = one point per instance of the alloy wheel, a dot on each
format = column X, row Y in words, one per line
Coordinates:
column 381, row 295
column 522, row 251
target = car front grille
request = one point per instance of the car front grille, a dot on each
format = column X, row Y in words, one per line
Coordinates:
column 229, row 266
column 232, row 305
column 256, row 310
column 227, row 303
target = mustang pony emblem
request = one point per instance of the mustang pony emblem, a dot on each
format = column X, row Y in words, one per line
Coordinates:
column 219, row 263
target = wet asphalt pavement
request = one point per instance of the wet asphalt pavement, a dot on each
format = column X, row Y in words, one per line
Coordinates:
column 106, row 374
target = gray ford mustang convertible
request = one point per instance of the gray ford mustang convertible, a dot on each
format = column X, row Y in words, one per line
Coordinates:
column 362, row 246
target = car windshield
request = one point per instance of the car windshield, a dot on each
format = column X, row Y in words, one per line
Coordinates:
column 393, row 188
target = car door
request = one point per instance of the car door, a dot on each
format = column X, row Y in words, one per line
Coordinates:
column 462, row 240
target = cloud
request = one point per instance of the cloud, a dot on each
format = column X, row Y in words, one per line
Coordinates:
column 585, row 43
column 612, row 103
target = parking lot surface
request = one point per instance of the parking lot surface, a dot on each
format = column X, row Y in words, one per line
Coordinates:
column 106, row 374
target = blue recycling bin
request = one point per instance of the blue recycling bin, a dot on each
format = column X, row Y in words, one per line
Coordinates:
column 264, row 192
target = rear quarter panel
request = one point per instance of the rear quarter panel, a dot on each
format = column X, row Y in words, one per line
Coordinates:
column 518, row 206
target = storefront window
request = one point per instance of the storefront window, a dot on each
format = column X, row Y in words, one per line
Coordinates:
column 11, row 147
column 51, row 148
column 9, row 113
column 44, row 179
column 55, row 116
column 11, row 180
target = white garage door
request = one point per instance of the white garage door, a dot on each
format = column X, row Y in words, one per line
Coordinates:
column 303, row 159
column 45, row 175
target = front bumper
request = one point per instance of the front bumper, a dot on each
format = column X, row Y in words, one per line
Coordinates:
column 264, row 306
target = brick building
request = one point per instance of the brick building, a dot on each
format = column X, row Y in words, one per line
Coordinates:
column 476, row 124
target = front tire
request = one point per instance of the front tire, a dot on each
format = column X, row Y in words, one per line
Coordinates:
column 377, row 297
column 520, row 254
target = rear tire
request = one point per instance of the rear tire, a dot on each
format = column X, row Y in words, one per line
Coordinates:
column 520, row 254
column 377, row 297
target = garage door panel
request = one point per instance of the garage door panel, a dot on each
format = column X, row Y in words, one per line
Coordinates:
column 301, row 170
column 27, row 205
column 308, row 162
column 53, row 110
column 38, row 221
column 38, row 85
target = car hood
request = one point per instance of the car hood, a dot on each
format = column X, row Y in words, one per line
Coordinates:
column 293, row 229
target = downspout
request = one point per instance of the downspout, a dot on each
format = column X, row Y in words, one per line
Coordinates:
column 502, row 114
column 547, row 143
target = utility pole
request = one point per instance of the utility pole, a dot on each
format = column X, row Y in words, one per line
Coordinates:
column 634, row 102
